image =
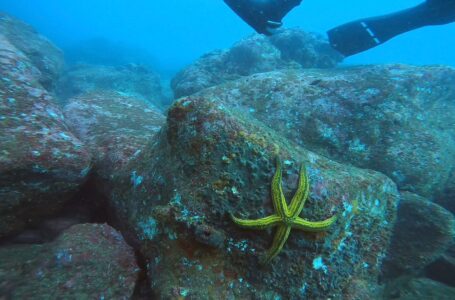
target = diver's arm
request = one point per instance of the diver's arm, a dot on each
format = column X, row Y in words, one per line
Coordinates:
column 361, row 35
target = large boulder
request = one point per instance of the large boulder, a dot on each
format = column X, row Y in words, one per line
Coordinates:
column 395, row 119
column 423, row 232
column 289, row 48
column 208, row 162
column 115, row 127
column 90, row 261
column 40, row 52
column 41, row 163
column 131, row 80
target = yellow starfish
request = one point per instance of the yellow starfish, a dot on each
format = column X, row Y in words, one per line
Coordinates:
column 286, row 217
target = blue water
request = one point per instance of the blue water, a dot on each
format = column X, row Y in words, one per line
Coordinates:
column 173, row 33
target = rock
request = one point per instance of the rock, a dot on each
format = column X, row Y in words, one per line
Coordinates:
column 443, row 268
column 423, row 232
column 40, row 52
column 289, row 48
column 44, row 232
column 130, row 80
column 53, row 227
column 90, row 261
column 361, row 290
column 394, row 119
column 208, row 162
column 41, row 163
column 115, row 127
column 418, row 288
column 307, row 50
column 447, row 197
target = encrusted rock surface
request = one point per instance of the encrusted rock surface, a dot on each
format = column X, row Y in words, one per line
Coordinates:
column 115, row 127
column 89, row 261
column 423, row 232
column 209, row 162
column 41, row 163
column 130, row 80
column 395, row 119
column 289, row 48
column 40, row 52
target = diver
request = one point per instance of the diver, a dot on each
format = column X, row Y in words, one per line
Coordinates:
column 265, row 16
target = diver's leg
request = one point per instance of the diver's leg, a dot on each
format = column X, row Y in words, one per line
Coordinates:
column 361, row 35
column 262, row 15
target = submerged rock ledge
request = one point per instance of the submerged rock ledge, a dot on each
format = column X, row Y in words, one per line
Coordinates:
column 396, row 119
column 210, row 161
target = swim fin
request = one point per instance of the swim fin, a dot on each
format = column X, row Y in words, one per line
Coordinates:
column 361, row 35
column 263, row 15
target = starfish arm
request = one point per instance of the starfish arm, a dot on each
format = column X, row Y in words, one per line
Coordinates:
column 262, row 223
column 302, row 224
column 281, row 235
column 301, row 195
column 278, row 199
column 285, row 217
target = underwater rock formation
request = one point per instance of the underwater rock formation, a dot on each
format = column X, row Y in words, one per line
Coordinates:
column 395, row 119
column 89, row 261
column 131, row 80
column 172, row 186
column 40, row 52
column 418, row 288
column 41, row 163
column 208, row 162
column 423, row 232
column 288, row 48
column 115, row 127
column 443, row 268
column 447, row 197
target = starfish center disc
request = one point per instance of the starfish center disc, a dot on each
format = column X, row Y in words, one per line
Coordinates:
column 288, row 221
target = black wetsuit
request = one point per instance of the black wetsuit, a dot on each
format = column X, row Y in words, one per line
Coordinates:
column 353, row 37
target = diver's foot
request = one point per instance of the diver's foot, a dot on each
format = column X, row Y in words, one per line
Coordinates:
column 263, row 15
column 360, row 35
